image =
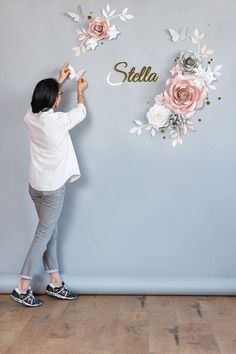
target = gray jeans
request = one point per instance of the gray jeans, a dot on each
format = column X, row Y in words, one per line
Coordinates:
column 44, row 245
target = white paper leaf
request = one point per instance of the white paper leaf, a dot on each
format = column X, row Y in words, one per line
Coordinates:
column 191, row 128
column 173, row 135
column 153, row 132
column 122, row 18
column 80, row 12
column 148, row 127
column 83, row 49
column 129, row 16
column 108, row 8
column 133, row 130
column 112, row 12
column 82, row 37
column 138, row 122
column 209, row 51
column 196, row 33
column 188, row 122
column 139, row 131
column 74, row 16
column 189, row 115
column 218, row 67
column 185, row 129
column 180, row 141
column 124, row 12
column 212, row 87
column 76, row 51
column 201, row 35
column 174, row 142
column 203, row 48
column 78, row 31
column 194, row 39
column 104, row 13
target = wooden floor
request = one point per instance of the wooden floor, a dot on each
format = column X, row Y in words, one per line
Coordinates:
column 120, row 324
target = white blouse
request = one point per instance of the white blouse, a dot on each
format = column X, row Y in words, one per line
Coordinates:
column 52, row 156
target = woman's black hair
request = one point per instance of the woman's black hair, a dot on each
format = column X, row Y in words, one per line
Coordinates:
column 44, row 95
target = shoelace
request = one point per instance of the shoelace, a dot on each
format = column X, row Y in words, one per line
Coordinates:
column 31, row 294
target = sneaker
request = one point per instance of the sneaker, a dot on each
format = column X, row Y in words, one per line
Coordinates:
column 27, row 299
column 61, row 292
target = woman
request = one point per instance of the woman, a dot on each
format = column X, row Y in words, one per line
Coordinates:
column 53, row 163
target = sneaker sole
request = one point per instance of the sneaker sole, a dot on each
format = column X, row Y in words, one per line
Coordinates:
column 23, row 302
column 60, row 296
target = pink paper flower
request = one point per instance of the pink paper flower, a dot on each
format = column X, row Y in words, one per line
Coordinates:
column 98, row 28
column 183, row 95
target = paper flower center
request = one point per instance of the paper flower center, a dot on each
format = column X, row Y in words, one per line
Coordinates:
column 158, row 117
column 98, row 28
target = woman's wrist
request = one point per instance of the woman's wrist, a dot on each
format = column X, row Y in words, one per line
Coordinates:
column 80, row 97
column 60, row 80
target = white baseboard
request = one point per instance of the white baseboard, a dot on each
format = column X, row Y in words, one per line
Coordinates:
column 103, row 284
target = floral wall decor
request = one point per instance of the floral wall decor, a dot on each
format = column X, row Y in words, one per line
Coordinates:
column 96, row 29
column 75, row 75
column 186, row 91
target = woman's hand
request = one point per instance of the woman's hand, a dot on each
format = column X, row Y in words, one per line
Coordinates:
column 82, row 84
column 64, row 73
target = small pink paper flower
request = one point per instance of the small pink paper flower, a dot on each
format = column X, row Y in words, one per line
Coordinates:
column 159, row 99
column 183, row 95
column 98, row 28
column 175, row 70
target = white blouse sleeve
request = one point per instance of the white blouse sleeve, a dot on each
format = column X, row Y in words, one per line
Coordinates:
column 75, row 116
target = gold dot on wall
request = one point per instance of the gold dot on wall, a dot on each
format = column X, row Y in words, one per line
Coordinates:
column 199, row 119
column 208, row 102
column 89, row 17
column 219, row 98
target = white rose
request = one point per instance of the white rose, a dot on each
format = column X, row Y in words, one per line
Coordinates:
column 158, row 115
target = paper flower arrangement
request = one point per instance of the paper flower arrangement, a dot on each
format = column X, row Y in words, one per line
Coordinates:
column 97, row 28
column 186, row 92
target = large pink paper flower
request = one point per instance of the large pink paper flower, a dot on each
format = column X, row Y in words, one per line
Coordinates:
column 98, row 28
column 183, row 95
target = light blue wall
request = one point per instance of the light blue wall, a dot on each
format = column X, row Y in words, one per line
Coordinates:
column 143, row 218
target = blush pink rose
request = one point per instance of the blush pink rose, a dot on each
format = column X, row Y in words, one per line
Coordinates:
column 182, row 95
column 98, row 28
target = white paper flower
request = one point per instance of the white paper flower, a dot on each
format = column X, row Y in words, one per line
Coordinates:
column 113, row 32
column 91, row 43
column 158, row 115
column 205, row 77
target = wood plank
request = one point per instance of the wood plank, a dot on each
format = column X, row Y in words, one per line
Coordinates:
column 120, row 324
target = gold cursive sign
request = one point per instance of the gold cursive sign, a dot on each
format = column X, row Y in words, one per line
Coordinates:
column 145, row 75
